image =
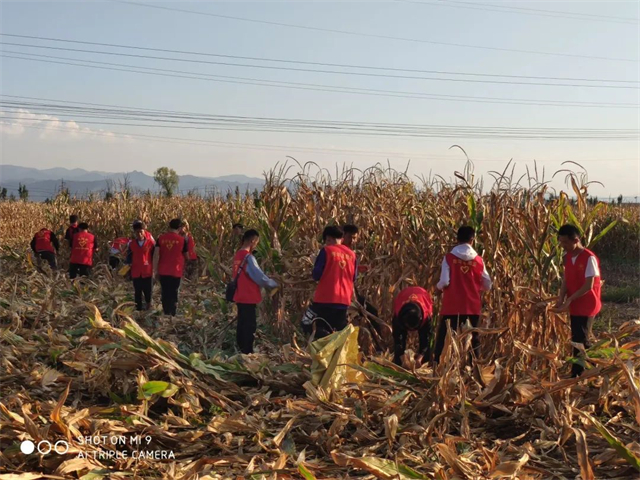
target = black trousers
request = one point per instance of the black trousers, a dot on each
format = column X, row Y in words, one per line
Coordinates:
column 580, row 333
column 114, row 262
column 142, row 286
column 246, row 327
column 400, row 334
column 76, row 269
column 49, row 257
column 331, row 319
column 456, row 321
column 169, row 287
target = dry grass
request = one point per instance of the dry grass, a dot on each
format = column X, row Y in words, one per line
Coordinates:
column 75, row 362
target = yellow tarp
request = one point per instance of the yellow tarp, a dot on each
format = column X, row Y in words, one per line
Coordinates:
column 331, row 356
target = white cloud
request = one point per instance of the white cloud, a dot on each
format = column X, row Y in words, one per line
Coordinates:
column 53, row 128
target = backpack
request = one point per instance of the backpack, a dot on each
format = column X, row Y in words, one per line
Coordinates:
column 232, row 286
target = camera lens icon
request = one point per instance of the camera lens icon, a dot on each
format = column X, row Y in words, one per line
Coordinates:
column 44, row 447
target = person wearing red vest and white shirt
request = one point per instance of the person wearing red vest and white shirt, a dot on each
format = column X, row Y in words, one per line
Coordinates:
column 580, row 291
column 248, row 294
column 117, row 248
column 463, row 278
column 412, row 309
column 140, row 257
column 168, row 265
column 83, row 248
column 45, row 245
column 192, row 256
column 335, row 272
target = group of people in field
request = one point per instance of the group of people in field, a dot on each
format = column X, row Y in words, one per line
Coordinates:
column 463, row 279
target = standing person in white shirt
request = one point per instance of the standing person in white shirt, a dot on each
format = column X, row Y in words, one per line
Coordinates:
column 463, row 278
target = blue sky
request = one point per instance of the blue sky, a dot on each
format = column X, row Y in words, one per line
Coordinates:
column 615, row 163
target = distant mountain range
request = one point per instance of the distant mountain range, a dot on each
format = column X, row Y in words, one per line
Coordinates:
column 43, row 184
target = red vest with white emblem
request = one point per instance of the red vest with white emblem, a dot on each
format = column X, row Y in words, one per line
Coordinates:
column 247, row 290
column 43, row 241
column 417, row 295
column 463, row 295
column 336, row 283
column 588, row 304
column 141, row 258
column 171, row 260
column 82, row 248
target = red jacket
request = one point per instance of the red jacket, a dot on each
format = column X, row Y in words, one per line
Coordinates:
column 588, row 304
column 417, row 295
column 247, row 290
column 172, row 247
column 141, row 258
column 463, row 295
column 82, row 249
column 336, row 283
column 43, row 241
column 120, row 244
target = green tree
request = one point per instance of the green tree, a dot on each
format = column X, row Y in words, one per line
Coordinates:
column 23, row 192
column 167, row 179
column 620, row 199
column 3, row 193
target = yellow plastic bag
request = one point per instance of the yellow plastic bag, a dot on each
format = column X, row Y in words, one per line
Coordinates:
column 124, row 270
column 332, row 356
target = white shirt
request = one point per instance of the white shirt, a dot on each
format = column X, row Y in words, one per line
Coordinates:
column 592, row 269
column 467, row 253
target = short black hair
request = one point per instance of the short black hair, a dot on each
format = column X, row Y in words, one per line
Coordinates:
column 569, row 230
column 139, row 225
column 83, row 226
column 175, row 224
column 250, row 235
column 237, row 225
column 411, row 315
column 466, row 234
column 73, row 218
column 332, row 231
column 349, row 228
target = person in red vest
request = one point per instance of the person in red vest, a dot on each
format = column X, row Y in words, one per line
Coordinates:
column 250, row 279
column 45, row 245
column 412, row 309
column 463, row 278
column 72, row 229
column 140, row 257
column 335, row 272
column 168, row 265
column 117, row 248
column 580, row 290
column 83, row 248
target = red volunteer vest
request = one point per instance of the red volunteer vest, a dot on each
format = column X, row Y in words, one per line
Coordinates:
column 43, row 241
column 141, row 258
column 336, row 283
column 82, row 248
column 589, row 304
column 462, row 296
column 417, row 295
column 247, row 291
column 171, row 260
column 120, row 243
column 191, row 246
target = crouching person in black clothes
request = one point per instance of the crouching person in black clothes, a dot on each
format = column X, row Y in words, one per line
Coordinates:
column 412, row 310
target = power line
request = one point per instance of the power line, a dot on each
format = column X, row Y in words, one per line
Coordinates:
column 296, row 62
column 371, row 35
column 177, row 140
column 297, row 85
column 487, row 7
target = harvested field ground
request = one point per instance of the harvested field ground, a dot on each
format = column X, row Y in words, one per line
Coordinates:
column 76, row 361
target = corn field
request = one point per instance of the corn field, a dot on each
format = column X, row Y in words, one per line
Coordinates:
column 76, row 359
